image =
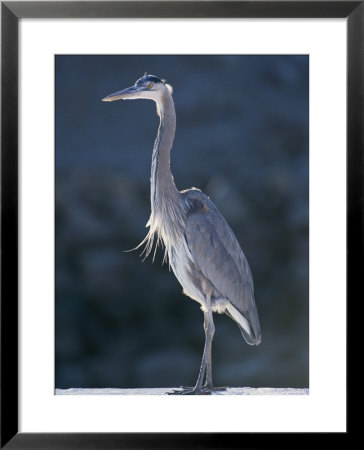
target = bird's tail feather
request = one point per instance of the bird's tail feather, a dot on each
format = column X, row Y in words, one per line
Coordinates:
column 250, row 328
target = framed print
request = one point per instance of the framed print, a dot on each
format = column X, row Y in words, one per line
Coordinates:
column 262, row 127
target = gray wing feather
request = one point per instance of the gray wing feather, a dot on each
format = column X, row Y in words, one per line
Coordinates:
column 218, row 256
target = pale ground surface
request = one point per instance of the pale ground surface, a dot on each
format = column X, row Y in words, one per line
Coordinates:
column 161, row 391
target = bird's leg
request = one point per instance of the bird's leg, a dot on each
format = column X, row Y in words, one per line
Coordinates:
column 206, row 358
column 205, row 367
column 209, row 328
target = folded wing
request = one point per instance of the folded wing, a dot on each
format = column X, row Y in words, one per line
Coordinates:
column 218, row 256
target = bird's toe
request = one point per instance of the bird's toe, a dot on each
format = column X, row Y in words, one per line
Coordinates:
column 190, row 391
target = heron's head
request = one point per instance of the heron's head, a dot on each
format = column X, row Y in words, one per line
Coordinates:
column 148, row 86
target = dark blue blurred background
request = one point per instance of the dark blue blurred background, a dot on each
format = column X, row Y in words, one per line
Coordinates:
column 242, row 137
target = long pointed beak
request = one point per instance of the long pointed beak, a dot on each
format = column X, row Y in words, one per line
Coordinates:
column 125, row 94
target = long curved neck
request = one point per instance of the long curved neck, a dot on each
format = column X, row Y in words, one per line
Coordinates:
column 163, row 188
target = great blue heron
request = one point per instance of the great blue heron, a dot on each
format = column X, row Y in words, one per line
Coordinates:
column 201, row 248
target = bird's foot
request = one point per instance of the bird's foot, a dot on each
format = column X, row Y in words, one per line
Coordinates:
column 205, row 390
column 183, row 390
column 208, row 388
column 218, row 389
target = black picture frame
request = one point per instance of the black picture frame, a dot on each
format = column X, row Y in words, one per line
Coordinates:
column 11, row 12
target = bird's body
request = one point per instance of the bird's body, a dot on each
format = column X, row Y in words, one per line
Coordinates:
column 201, row 248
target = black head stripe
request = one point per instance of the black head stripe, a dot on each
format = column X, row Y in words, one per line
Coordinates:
column 147, row 78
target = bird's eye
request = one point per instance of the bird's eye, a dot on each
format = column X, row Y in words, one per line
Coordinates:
column 149, row 85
